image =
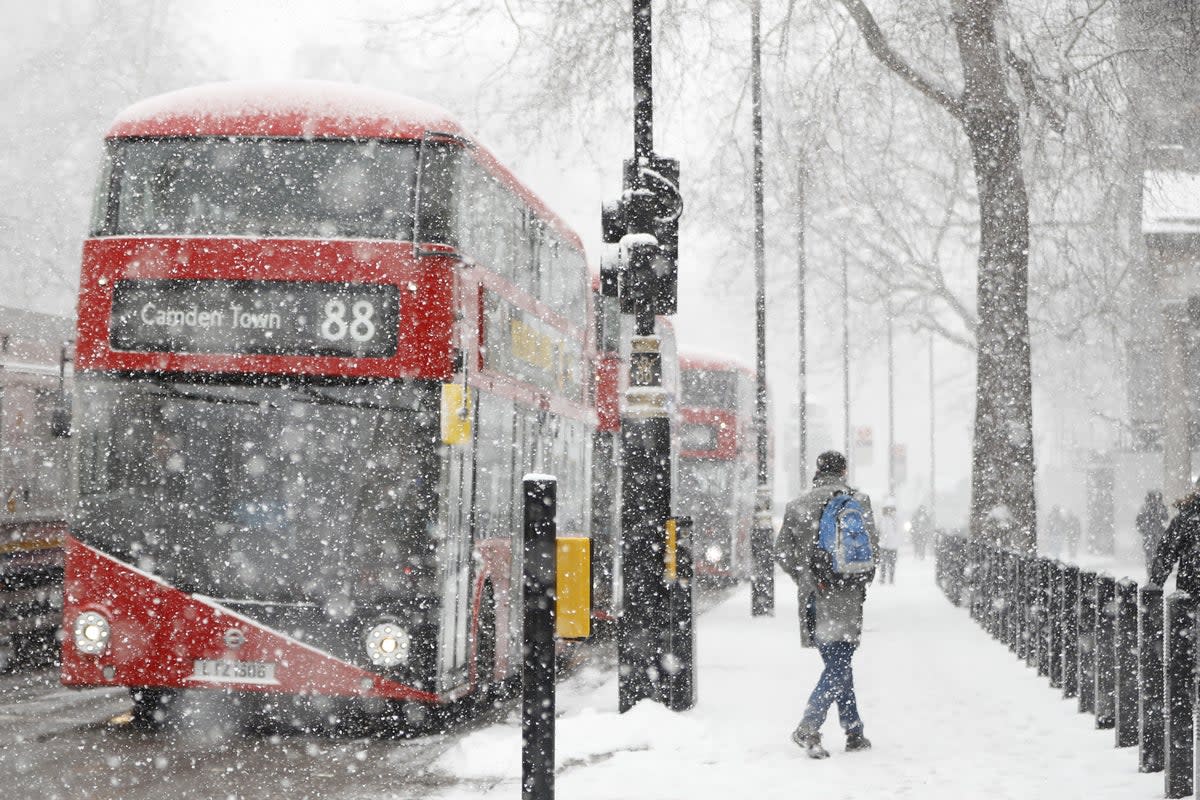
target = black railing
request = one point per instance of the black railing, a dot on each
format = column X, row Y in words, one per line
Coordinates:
column 1126, row 656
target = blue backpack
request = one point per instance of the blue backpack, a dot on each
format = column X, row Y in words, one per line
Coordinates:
column 843, row 541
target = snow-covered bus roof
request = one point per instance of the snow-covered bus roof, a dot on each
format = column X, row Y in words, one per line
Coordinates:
column 309, row 109
column 713, row 362
column 283, row 108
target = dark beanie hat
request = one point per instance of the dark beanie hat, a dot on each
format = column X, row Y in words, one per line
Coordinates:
column 831, row 462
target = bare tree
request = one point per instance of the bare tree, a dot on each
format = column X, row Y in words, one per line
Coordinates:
column 1002, row 487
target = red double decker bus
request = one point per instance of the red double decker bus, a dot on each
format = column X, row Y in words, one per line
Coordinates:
column 717, row 464
column 323, row 333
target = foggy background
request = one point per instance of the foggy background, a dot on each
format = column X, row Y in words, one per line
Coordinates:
column 888, row 187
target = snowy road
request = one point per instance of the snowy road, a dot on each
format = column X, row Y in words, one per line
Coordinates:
column 60, row 743
column 952, row 714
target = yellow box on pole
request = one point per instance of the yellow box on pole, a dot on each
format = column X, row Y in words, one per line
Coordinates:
column 669, row 567
column 573, row 600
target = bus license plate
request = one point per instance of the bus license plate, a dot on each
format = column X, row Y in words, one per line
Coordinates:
column 228, row 671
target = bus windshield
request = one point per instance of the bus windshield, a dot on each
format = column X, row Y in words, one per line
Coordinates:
column 703, row 388
column 291, row 493
column 706, row 492
column 210, row 186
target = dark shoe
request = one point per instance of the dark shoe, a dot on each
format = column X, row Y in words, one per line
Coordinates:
column 811, row 742
column 856, row 741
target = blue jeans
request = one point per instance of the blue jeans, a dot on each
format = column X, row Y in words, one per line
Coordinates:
column 835, row 685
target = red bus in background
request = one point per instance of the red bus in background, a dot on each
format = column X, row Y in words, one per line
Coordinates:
column 717, row 475
column 323, row 333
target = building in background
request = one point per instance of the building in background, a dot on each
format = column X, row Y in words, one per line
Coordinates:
column 1159, row 435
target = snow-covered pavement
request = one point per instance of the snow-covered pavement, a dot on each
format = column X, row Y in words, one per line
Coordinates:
column 951, row 713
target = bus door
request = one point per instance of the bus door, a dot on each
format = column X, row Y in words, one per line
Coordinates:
column 456, row 562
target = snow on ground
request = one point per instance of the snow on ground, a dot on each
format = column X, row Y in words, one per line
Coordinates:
column 951, row 713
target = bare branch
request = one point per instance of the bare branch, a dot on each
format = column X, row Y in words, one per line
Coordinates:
column 1033, row 93
column 879, row 46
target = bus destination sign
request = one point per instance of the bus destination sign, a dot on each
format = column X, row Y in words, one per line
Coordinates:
column 356, row 320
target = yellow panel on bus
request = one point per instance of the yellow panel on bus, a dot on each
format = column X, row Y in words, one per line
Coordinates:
column 456, row 413
column 573, row 605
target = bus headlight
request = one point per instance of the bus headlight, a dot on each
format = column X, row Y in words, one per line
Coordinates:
column 91, row 633
column 388, row 645
column 713, row 554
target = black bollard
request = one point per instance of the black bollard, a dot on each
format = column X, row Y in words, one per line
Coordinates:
column 996, row 595
column 1033, row 601
column 1105, row 654
column 1021, row 608
column 1057, row 614
column 1070, row 630
column 957, row 566
column 537, row 702
column 1150, row 679
column 972, row 578
column 1086, row 616
column 679, row 683
column 1179, row 652
column 987, row 598
column 1012, row 627
column 1127, row 663
column 995, row 583
column 1042, row 593
column 1036, row 614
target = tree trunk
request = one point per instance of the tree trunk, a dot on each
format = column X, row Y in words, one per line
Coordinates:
column 1003, row 507
column 1002, row 481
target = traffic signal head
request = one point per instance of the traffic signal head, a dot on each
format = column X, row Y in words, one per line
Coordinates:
column 650, row 204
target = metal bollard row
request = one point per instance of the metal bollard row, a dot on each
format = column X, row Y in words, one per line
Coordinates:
column 1125, row 654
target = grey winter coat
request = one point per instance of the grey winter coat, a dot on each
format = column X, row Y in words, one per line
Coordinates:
column 839, row 607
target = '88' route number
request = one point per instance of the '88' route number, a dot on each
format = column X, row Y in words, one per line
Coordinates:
column 360, row 327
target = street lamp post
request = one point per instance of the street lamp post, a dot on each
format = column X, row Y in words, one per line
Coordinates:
column 801, row 306
column 891, row 381
column 932, row 442
column 762, row 593
column 846, row 356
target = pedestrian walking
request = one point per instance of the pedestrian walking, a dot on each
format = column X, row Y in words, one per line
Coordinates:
column 889, row 540
column 921, row 523
column 1180, row 545
column 1151, row 522
column 1050, row 534
column 1072, row 531
column 832, row 586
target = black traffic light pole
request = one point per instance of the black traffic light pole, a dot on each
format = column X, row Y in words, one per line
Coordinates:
column 645, row 222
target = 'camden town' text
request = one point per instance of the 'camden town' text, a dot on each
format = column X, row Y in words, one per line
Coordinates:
column 235, row 317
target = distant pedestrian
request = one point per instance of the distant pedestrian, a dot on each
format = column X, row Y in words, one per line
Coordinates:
column 831, row 602
column 1072, row 531
column 889, row 541
column 1055, row 531
column 1151, row 523
column 1181, row 544
column 922, row 530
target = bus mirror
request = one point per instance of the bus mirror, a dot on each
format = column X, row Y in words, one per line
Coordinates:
column 573, row 591
column 456, row 414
